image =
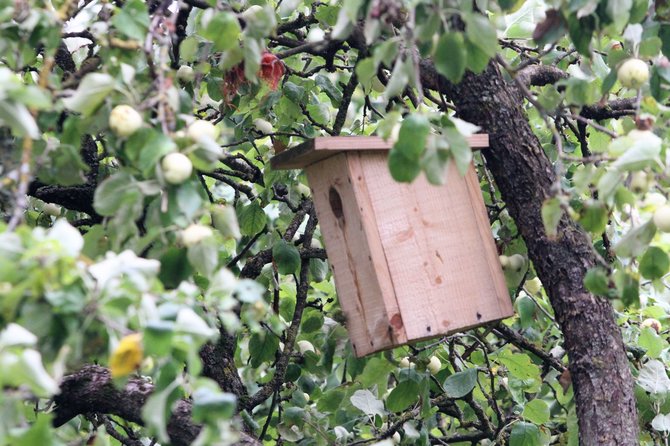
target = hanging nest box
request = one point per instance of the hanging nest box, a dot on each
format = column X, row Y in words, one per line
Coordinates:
column 411, row 261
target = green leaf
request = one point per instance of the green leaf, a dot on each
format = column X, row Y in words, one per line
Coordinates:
column 536, row 411
column 366, row 70
column 459, row 148
column 551, row 215
column 212, row 405
column 204, row 257
column 262, row 348
column 525, row 434
column 146, row 147
column 478, row 60
column 581, row 31
column 294, row 92
column 133, row 20
column 461, row 383
column 252, row 218
column 157, row 338
column 39, row 433
column 286, row 256
column 19, row 119
column 330, row 401
column 619, row 11
column 651, row 342
column 580, row 91
column 636, row 240
column 223, row 29
column 404, row 395
column 93, row 90
column 375, row 374
column 594, row 217
column 312, row 321
column 519, row 365
column 225, row 221
column 156, row 411
column 451, row 56
column 259, row 21
column 318, row 270
column 403, row 169
column 654, row 264
column 664, row 35
column 653, row 378
column 481, row 32
column 596, row 281
column 403, row 71
column 526, row 308
column 334, row 93
column 366, row 402
column 412, row 137
column 114, row 192
column 640, row 149
column 406, row 152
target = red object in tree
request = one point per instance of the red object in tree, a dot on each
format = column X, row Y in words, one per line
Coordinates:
column 271, row 71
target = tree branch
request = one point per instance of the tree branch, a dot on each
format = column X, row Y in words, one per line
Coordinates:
column 91, row 390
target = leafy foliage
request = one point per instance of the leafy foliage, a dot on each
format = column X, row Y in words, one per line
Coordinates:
column 241, row 322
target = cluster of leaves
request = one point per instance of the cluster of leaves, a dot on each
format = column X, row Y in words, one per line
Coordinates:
column 244, row 323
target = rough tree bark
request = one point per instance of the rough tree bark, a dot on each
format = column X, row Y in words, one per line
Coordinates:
column 597, row 359
column 91, row 390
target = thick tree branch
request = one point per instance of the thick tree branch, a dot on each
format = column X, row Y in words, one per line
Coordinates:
column 91, row 390
column 525, row 176
column 539, row 75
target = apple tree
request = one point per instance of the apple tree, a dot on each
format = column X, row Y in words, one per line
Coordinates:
column 160, row 283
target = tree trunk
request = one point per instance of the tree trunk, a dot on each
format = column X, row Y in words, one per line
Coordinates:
column 598, row 366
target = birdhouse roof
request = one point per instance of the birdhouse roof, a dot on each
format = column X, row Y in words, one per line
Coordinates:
column 314, row 150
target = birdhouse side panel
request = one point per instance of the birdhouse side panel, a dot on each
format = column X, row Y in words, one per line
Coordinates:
column 490, row 250
column 352, row 248
column 437, row 251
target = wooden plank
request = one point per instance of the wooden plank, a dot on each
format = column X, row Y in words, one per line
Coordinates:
column 321, row 148
column 435, row 243
column 354, row 252
column 492, row 259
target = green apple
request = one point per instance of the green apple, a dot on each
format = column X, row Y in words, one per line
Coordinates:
column 124, row 120
column 652, row 323
column 633, row 73
column 434, row 365
column 533, row 286
column 640, row 181
column 305, row 346
column 195, row 234
column 263, row 126
column 185, row 73
column 52, row 209
column 201, row 128
column 517, row 262
column 177, row 168
column 662, row 218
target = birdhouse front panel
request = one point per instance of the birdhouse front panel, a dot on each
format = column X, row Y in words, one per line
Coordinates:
column 410, row 261
column 355, row 252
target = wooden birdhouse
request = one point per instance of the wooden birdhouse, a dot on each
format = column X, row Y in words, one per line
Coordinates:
column 410, row 261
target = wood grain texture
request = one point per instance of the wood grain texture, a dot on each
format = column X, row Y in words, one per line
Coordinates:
column 321, row 148
column 355, row 253
column 410, row 261
column 439, row 249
